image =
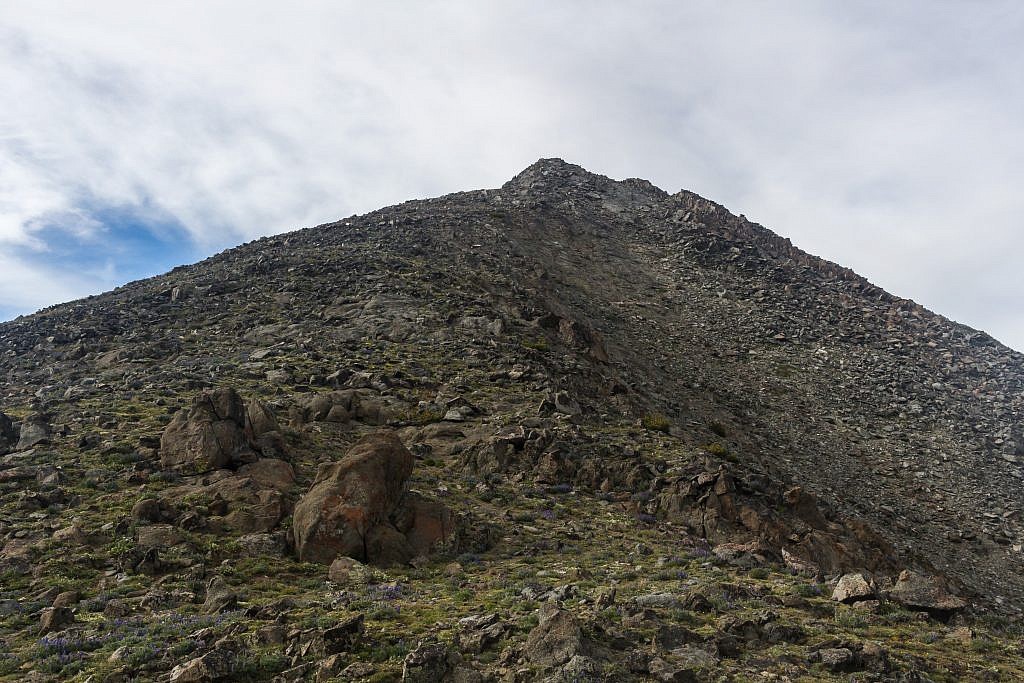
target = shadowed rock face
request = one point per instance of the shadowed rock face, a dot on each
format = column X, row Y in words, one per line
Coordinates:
column 8, row 434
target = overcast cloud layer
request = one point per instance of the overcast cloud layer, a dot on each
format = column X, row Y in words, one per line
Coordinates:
column 884, row 136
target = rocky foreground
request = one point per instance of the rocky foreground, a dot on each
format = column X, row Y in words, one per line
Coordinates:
column 567, row 430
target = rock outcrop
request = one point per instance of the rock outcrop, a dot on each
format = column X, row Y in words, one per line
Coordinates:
column 925, row 593
column 218, row 431
column 35, row 430
column 358, row 507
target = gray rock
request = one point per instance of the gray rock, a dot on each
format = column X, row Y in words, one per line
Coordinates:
column 54, row 619
column 920, row 592
column 219, row 597
column 837, row 659
column 210, row 435
column 35, row 430
column 852, row 588
column 556, row 639
column 428, row 663
column 213, row 666
column 657, row 600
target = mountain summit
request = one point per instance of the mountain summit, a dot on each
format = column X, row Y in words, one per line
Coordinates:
column 567, row 429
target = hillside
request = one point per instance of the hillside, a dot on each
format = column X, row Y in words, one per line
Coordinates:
column 567, row 429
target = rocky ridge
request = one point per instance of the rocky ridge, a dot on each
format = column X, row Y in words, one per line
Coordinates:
column 567, row 425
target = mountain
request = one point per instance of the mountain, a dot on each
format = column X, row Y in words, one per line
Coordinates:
column 567, row 429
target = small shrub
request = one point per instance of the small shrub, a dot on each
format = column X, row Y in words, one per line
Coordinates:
column 539, row 344
column 259, row 665
column 421, row 416
column 656, row 422
column 849, row 618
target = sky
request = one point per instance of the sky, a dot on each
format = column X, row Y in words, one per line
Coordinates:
column 888, row 137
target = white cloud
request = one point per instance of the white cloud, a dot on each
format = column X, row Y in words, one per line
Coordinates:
column 883, row 136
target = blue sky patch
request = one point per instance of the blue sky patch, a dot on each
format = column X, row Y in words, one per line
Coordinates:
column 120, row 244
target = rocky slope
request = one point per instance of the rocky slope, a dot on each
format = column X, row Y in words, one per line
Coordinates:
column 567, row 429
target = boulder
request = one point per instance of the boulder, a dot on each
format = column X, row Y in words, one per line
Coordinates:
column 744, row 555
column 345, row 570
column 386, row 546
column 565, row 403
column 245, row 505
column 219, row 597
column 34, row 431
column 157, row 536
column 853, row 588
column 426, row 523
column 261, row 545
column 428, row 663
column 925, row 593
column 837, row 659
column 253, row 500
column 55, row 618
column 556, row 639
column 686, row 663
column 331, row 406
column 210, row 435
column 259, row 419
column 350, row 499
column 480, row 632
column 66, row 599
column 147, row 510
column 213, row 666
column 270, row 473
column 344, row 635
column 220, row 431
column 579, row 669
column 263, row 431
column 70, row 535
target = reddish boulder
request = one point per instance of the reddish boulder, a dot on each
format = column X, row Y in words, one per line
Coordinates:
column 358, row 507
column 351, row 497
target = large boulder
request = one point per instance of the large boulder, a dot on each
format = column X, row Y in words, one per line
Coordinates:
column 428, row 663
column 350, row 499
column 556, row 639
column 262, row 430
column 852, row 588
column 215, row 665
column 358, row 507
column 334, row 406
column 34, row 431
column 925, row 593
column 345, row 405
column 218, row 431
